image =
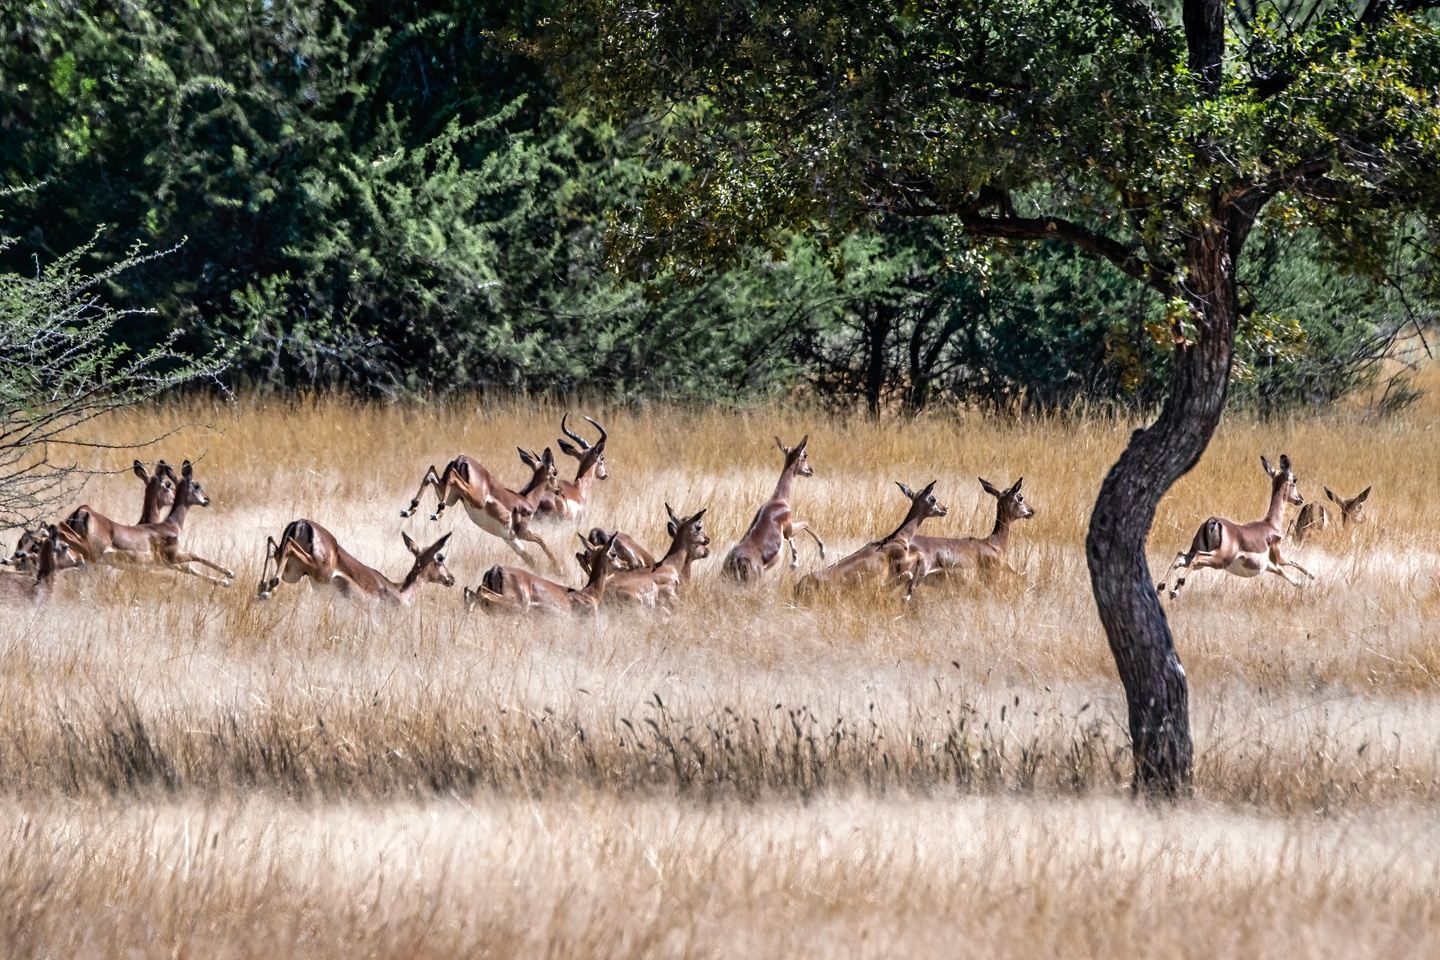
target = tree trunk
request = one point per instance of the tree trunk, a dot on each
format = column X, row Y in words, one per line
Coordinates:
column 1155, row 691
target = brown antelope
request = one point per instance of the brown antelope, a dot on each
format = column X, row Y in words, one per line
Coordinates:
column 510, row 588
column 497, row 510
column 944, row 556
column 632, row 555
column 159, row 495
column 660, row 584
column 102, row 540
column 26, row 557
column 885, row 561
column 569, row 501
column 308, row 550
column 1314, row 518
column 52, row 554
column 159, row 490
column 1244, row 549
column 774, row 526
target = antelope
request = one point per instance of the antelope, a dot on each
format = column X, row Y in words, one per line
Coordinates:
column 632, row 555
column 102, row 540
column 774, row 526
column 159, row 494
column 1314, row 518
column 569, row 501
column 308, row 550
column 53, row 554
column 499, row 511
column 946, row 555
column 885, row 561
column 660, row 584
column 520, row 590
column 159, row 490
column 1244, row 549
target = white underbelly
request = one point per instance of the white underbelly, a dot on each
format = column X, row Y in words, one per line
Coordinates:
column 1248, row 564
column 486, row 522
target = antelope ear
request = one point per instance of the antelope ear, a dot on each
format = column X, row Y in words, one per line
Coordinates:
column 1330, row 494
column 1016, row 488
column 609, row 544
column 409, row 544
column 671, row 513
column 697, row 516
column 909, row 494
column 783, row 449
column 568, row 448
column 161, row 467
column 139, row 469
column 438, row 545
column 1266, row 464
column 186, row 470
column 1285, row 462
column 990, row 488
column 929, row 489
column 804, row 442
column 526, row 457
column 548, row 457
column 670, row 528
column 1361, row 498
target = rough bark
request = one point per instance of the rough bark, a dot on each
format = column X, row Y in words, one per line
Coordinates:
column 1156, row 695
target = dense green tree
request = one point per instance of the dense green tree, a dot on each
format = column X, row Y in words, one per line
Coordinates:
column 1153, row 144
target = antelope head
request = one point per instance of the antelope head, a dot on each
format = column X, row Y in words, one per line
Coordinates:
column 796, row 458
column 189, row 492
column 592, row 458
column 545, row 474
column 429, row 563
column 925, row 500
column 1012, row 504
column 1351, row 510
column 159, row 485
column 697, row 541
column 1283, row 482
column 27, row 550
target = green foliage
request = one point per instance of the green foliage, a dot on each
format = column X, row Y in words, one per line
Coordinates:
column 61, row 367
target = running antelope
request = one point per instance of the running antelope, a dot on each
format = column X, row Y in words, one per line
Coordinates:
column 660, row 584
column 510, row 588
column 308, row 550
column 102, row 540
column 944, row 556
column 1314, row 518
column 774, row 526
column 632, row 555
column 885, row 561
column 52, row 554
column 1244, row 549
column 159, row 495
column 570, row 500
column 497, row 510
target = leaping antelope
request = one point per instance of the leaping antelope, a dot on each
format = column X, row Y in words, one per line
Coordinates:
column 159, row 495
column 307, row 549
column 571, row 498
column 1244, row 549
column 631, row 554
column 510, row 588
column 52, row 554
column 492, row 507
column 1314, row 518
column 660, row 584
column 944, row 556
column 885, row 561
column 774, row 526
column 101, row 540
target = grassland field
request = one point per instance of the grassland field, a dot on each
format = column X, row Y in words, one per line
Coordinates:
column 189, row 772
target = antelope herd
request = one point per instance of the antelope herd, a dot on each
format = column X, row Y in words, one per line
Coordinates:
column 616, row 568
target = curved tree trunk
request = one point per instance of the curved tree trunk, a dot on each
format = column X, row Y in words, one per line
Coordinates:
column 1157, row 456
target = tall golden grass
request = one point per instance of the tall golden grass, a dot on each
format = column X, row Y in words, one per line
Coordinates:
column 186, row 770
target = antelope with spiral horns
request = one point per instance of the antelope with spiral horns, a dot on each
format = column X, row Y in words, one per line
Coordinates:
column 774, row 526
column 1244, row 549
column 571, row 497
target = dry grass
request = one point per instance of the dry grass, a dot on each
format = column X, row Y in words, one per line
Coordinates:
column 185, row 770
